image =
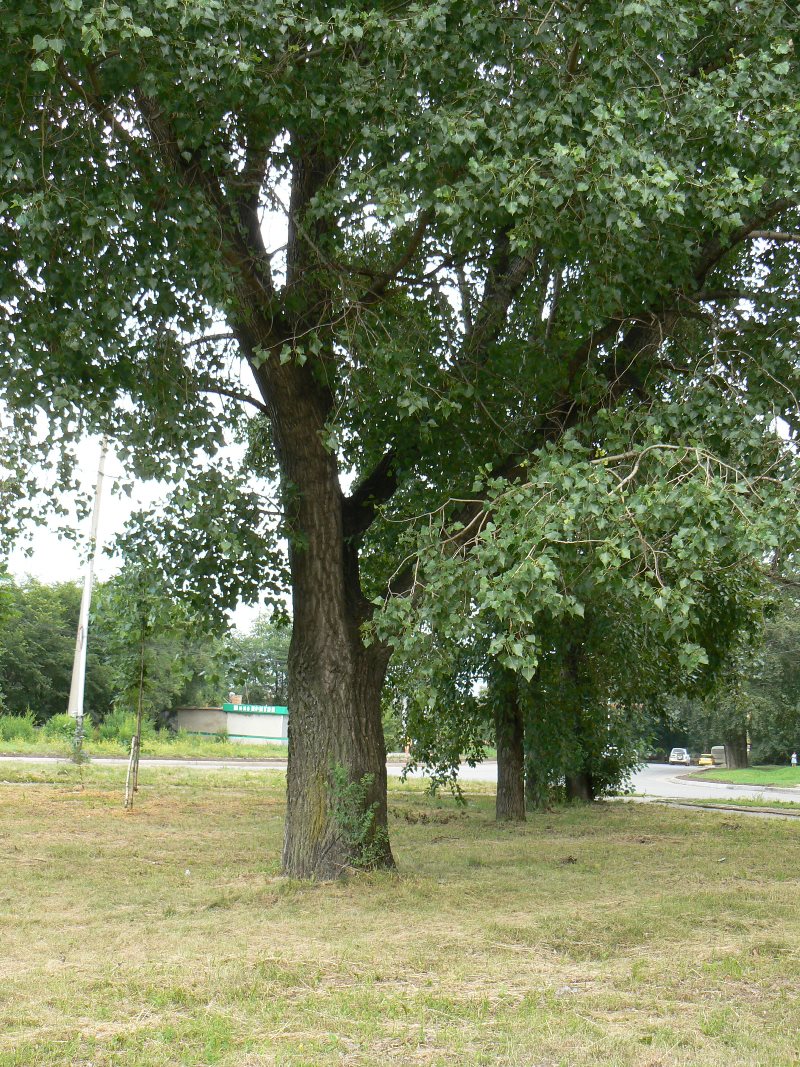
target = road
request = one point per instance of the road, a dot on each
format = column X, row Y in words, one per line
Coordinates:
column 654, row 780
column 661, row 780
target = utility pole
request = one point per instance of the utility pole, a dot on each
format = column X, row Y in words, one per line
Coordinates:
column 75, row 707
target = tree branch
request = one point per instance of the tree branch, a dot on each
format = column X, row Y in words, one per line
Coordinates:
column 776, row 235
column 360, row 508
column 243, row 398
column 376, row 291
column 717, row 247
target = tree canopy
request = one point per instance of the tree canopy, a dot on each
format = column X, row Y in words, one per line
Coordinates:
column 497, row 222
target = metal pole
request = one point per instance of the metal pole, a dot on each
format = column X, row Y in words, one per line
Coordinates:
column 75, row 707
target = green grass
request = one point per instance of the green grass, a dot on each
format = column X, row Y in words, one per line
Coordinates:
column 182, row 746
column 626, row 935
column 778, row 776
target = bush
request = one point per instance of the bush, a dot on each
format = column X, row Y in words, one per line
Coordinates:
column 60, row 727
column 120, row 725
column 17, row 727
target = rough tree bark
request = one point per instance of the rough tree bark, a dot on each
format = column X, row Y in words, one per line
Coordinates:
column 736, row 751
column 334, row 680
column 510, row 740
column 580, row 786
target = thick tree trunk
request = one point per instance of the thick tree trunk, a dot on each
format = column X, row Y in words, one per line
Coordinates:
column 334, row 729
column 537, row 790
column 736, row 752
column 580, row 786
column 510, row 739
column 334, row 682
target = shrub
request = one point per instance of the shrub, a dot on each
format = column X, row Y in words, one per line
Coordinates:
column 60, row 727
column 356, row 818
column 17, row 727
column 120, row 725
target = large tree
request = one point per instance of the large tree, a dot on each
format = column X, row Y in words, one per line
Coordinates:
column 496, row 218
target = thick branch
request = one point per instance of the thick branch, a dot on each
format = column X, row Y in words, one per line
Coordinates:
column 379, row 486
column 383, row 281
column 717, row 247
column 776, row 235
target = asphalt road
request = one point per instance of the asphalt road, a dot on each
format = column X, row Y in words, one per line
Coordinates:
column 654, row 780
column 675, row 783
column 663, row 781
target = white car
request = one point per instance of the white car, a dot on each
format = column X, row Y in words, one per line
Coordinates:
column 680, row 756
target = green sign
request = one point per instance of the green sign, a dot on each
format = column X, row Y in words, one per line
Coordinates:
column 256, row 709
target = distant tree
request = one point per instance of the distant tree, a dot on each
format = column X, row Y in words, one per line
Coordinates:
column 605, row 581
column 773, row 685
column 757, row 697
column 256, row 662
column 38, row 626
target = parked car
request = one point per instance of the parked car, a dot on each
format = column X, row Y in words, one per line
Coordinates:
column 680, row 756
column 706, row 760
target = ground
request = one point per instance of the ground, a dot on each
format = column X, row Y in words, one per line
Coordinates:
column 625, row 934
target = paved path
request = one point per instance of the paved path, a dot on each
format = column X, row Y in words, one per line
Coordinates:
column 656, row 780
column 660, row 780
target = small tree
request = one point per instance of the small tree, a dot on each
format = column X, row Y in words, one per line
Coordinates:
column 152, row 646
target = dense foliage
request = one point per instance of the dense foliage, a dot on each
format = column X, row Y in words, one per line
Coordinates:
column 137, row 633
column 757, row 699
column 37, row 646
column 494, row 225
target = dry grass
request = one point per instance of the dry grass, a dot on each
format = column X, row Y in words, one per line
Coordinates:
column 621, row 935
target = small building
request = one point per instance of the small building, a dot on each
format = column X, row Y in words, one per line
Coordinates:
column 253, row 723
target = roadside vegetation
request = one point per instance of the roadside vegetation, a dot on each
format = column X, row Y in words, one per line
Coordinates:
column 603, row 935
column 137, row 637
column 20, row 735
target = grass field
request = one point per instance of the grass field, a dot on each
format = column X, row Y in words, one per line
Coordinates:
column 181, row 746
column 778, row 776
column 626, row 934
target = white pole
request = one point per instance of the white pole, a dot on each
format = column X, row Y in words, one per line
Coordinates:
column 75, row 707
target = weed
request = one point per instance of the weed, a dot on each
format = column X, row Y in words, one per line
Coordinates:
column 356, row 818
column 17, row 727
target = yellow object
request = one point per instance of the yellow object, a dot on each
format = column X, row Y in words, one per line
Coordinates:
column 706, row 760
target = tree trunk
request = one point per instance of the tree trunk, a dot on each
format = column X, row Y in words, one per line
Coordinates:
column 334, row 730
column 736, row 752
column 537, row 785
column 510, row 735
column 580, row 786
column 334, row 682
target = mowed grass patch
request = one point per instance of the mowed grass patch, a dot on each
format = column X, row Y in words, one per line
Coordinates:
column 783, row 777
column 162, row 746
column 622, row 934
